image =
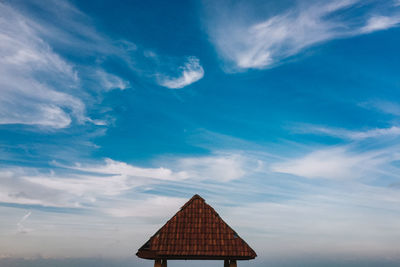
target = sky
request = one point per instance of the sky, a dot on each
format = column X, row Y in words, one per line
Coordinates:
column 283, row 115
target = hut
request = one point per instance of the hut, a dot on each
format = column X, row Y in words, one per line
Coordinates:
column 196, row 232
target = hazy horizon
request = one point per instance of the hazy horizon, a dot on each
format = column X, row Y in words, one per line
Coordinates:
column 275, row 262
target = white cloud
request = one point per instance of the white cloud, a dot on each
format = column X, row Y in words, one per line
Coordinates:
column 334, row 163
column 379, row 132
column 108, row 179
column 190, row 72
column 251, row 43
column 113, row 167
column 30, row 69
column 124, row 201
column 28, row 187
column 377, row 23
column 218, row 168
column 383, row 106
column 38, row 86
column 110, row 81
column 393, row 131
column 86, row 184
column 21, row 228
column 152, row 207
column 16, row 188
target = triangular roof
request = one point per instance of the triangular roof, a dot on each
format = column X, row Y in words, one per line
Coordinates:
column 196, row 231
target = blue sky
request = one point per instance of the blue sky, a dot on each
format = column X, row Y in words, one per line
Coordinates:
column 283, row 115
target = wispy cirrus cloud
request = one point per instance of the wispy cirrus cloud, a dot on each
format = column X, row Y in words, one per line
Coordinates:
column 21, row 228
column 393, row 131
column 388, row 107
column 189, row 73
column 30, row 70
column 124, row 195
column 367, row 153
column 257, row 42
column 84, row 185
column 78, row 189
column 110, row 81
column 336, row 163
column 160, row 206
column 39, row 86
column 378, row 23
column 223, row 167
column 45, row 83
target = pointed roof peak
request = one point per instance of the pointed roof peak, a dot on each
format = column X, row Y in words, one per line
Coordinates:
column 195, row 197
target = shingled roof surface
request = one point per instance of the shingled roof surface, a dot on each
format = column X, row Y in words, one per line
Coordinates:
column 196, row 232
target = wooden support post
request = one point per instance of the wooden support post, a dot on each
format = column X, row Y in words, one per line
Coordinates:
column 157, row 263
column 226, row 263
column 164, row 263
column 233, row 263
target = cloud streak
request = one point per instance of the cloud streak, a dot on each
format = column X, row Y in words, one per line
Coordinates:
column 387, row 107
column 222, row 167
column 39, row 86
column 21, row 227
column 251, row 43
column 133, row 200
column 110, row 81
column 378, row 23
column 87, row 185
column 390, row 132
column 371, row 153
column 334, row 163
column 31, row 70
column 189, row 73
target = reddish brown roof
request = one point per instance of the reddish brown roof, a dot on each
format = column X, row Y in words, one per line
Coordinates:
column 196, row 232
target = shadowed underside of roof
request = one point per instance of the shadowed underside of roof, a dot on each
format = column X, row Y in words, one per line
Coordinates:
column 196, row 232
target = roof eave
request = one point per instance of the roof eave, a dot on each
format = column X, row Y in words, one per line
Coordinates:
column 151, row 255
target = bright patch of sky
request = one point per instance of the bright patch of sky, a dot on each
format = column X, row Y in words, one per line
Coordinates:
column 286, row 121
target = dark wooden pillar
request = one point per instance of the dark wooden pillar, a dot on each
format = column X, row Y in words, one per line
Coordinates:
column 157, row 263
column 164, row 263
